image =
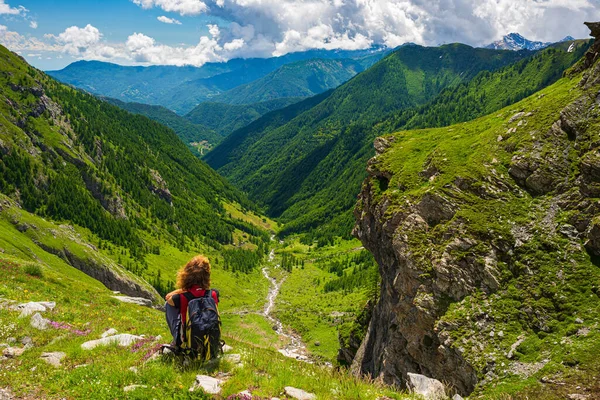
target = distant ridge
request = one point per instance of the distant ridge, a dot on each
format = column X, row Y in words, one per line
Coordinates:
column 515, row 41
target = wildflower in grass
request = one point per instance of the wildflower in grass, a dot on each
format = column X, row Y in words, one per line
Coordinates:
column 69, row 327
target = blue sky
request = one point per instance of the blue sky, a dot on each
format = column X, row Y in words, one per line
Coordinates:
column 50, row 34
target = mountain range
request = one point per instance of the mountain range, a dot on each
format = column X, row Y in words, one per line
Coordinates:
column 182, row 88
column 514, row 41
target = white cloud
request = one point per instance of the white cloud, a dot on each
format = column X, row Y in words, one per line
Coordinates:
column 17, row 42
column 76, row 40
column 214, row 30
column 33, row 24
column 263, row 28
column 7, row 9
column 183, row 7
column 168, row 20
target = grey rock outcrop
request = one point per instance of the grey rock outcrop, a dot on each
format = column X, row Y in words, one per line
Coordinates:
column 430, row 389
column 208, row 384
column 299, row 394
column 53, row 358
column 39, row 322
column 27, row 309
column 140, row 301
column 123, row 340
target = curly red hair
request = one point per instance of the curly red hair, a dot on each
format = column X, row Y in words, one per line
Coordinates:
column 195, row 272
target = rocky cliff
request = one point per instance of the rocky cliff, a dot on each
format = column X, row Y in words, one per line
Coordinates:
column 487, row 237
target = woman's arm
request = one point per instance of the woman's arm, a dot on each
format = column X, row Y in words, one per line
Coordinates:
column 173, row 293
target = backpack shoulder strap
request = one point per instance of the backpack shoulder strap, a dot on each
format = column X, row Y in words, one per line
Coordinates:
column 208, row 293
column 189, row 296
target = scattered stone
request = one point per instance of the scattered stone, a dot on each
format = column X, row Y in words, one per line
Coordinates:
column 133, row 369
column 431, row 389
column 576, row 396
column 133, row 387
column 578, row 321
column 317, row 344
column 208, row 384
column 457, row 397
column 135, row 300
column 227, row 348
column 53, row 358
column 123, row 340
column 29, row 308
column 109, row 332
column 12, row 352
column 39, row 322
column 299, row 394
column 514, row 346
column 245, row 393
column 527, row 369
column 27, row 341
column 6, row 394
column 233, row 358
column 515, row 117
column 583, row 332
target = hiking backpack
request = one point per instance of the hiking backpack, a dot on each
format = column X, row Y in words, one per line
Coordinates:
column 201, row 335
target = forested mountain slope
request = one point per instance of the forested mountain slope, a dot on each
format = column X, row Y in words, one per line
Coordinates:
column 308, row 171
column 187, row 131
column 300, row 79
column 68, row 156
column 226, row 118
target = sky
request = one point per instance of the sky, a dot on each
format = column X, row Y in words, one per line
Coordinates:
column 51, row 34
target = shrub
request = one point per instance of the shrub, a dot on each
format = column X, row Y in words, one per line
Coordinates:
column 33, row 270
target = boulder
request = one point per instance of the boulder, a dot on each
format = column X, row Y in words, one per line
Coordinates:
column 227, row 348
column 233, row 358
column 53, row 358
column 12, row 352
column 123, row 340
column 34, row 306
column 109, row 332
column 39, row 322
column 208, row 384
column 140, row 301
column 431, row 389
column 299, row 394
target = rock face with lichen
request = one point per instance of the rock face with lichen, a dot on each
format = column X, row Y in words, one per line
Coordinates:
column 481, row 232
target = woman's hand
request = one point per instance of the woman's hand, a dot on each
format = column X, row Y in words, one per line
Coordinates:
column 173, row 293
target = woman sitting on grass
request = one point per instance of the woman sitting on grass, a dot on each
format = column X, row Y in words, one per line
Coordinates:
column 193, row 280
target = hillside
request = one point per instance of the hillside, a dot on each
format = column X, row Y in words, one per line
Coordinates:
column 187, row 131
column 308, row 170
column 180, row 89
column 226, row 118
column 487, row 238
column 299, row 79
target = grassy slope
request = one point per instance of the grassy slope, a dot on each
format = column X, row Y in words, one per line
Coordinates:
column 560, row 286
column 87, row 306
